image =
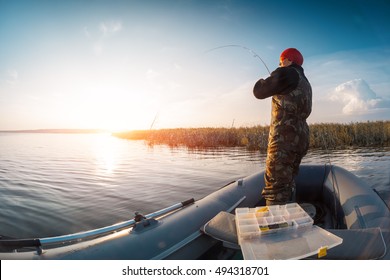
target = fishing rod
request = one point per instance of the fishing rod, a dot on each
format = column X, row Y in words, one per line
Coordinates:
column 154, row 120
column 243, row 47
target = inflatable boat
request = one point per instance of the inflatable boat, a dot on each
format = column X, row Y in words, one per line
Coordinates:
column 339, row 203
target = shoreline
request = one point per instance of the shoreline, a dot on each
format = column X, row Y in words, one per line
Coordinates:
column 322, row 136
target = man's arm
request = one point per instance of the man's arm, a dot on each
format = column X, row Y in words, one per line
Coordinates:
column 282, row 81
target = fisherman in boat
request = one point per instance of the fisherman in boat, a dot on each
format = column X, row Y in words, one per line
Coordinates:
column 288, row 140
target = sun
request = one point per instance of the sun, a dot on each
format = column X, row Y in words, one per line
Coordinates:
column 116, row 119
column 114, row 113
column 116, row 125
column 116, row 122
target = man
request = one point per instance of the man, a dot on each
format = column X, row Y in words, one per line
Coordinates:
column 288, row 138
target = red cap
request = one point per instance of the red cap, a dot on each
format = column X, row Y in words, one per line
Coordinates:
column 293, row 55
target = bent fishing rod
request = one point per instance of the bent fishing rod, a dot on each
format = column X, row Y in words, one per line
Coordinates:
column 240, row 46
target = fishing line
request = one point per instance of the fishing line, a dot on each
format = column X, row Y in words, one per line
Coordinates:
column 154, row 120
column 240, row 46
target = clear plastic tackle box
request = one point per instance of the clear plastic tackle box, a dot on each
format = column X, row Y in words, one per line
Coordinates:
column 281, row 232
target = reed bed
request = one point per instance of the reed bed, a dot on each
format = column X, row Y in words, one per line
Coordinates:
column 322, row 136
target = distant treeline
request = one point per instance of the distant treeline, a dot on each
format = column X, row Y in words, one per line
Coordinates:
column 322, row 136
column 59, row 131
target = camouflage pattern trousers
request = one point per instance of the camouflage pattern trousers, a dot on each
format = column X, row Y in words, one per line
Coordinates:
column 282, row 165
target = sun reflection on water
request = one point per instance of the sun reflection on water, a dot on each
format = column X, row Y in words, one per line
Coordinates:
column 107, row 153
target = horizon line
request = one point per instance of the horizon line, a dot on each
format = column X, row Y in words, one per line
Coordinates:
column 100, row 130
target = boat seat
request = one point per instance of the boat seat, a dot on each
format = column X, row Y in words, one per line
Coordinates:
column 223, row 228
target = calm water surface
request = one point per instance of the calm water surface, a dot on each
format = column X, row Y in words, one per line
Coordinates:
column 54, row 184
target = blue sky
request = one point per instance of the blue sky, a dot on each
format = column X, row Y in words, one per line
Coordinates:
column 120, row 64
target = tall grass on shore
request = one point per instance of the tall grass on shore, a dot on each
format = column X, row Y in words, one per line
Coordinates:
column 322, row 136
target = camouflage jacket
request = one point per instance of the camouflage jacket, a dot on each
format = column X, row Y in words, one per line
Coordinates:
column 291, row 105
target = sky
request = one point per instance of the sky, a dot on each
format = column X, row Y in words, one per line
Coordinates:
column 124, row 65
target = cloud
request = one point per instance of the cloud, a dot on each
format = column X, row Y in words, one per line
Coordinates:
column 343, row 70
column 357, row 97
column 103, row 33
column 111, row 27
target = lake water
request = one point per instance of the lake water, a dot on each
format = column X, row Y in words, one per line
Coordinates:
column 54, row 184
